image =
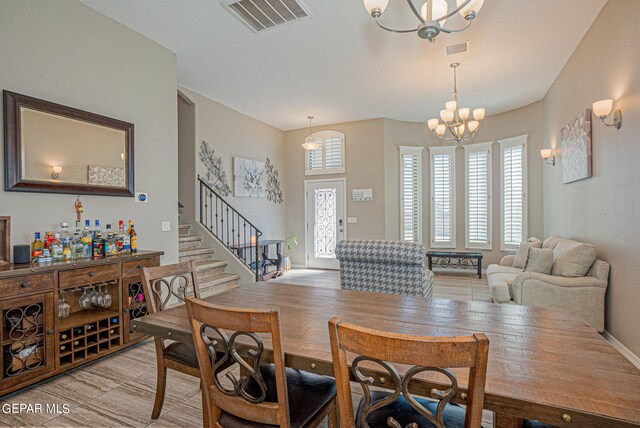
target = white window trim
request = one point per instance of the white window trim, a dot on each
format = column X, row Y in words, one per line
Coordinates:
column 505, row 144
column 321, row 135
column 450, row 150
column 417, row 151
column 468, row 149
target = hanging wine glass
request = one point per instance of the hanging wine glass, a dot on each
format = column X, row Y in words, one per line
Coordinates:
column 63, row 307
column 107, row 299
column 100, row 298
column 85, row 299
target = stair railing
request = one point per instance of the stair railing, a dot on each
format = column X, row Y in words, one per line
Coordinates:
column 230, row 227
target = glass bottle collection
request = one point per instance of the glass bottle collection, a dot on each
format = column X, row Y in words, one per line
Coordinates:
column 84, row 243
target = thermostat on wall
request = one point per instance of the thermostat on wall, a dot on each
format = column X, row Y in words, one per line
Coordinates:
column 362, row 195
column 142, row 197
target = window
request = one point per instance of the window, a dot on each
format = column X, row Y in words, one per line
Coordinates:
column 478, row 195
column 443, row 185
column 513, row 166
column 411, row 194
column 329, row 157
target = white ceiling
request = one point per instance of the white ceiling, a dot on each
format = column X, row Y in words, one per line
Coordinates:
column 339, row 66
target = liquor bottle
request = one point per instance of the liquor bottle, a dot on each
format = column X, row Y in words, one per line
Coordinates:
column 46, row 249
column 65, row 238
column 57, row 249
column 96, row 230
column 87, row 242
column 126, row 241
column 98, row 245
column 133, row 236
column 77, row 247
column 120, row 237
column 110, row 246
column 36, row 247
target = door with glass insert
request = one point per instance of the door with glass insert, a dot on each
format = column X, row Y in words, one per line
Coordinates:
column 325, row 222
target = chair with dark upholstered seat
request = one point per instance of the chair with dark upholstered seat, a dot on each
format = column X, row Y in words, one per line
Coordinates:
column 379, row 350
column 264, row 395
column 164, row 285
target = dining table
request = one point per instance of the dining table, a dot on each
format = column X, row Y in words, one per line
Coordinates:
column 544, row 364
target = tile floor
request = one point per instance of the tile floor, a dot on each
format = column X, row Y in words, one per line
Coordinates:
column 119, row 391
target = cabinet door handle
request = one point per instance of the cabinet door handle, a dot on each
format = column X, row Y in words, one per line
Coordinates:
column 24, row 285
column 91, row 274
column 140, row 266
column 49, row 331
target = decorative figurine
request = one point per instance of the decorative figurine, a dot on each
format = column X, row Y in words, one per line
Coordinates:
column 79, row 209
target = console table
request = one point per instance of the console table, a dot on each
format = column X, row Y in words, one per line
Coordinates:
column 241, row 249
column 37, row 344
column 455, row 259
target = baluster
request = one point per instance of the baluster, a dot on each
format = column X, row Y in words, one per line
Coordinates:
column 244, row 239
column 227, row 225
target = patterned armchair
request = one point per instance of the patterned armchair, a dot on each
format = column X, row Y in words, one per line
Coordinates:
column 389, row 267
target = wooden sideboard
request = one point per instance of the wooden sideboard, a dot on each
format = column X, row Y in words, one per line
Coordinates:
column 37, row 344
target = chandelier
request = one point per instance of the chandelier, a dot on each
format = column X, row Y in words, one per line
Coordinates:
column 455, row 120
column 310, row 143
column 433, row 16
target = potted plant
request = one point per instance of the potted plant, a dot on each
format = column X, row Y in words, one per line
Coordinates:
column 291, row 240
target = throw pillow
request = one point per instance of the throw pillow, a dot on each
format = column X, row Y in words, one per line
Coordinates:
column 552, row 241
column 540, row 260
column 523, row 252
column 573, row 258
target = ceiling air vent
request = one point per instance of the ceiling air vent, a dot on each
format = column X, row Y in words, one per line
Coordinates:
column 261, row 15
column 457, row 48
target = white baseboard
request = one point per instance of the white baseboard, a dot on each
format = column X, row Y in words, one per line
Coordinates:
column 298, row 267
column 635, row 360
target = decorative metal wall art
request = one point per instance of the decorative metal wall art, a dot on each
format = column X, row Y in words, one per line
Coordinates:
column 576, row 149
column 248, row 178
column 216, row 175
column 272, row 185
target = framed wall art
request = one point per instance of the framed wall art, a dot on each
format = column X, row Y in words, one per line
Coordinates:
column 576, row 149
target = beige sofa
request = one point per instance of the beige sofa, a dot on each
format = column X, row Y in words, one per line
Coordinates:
column 568, row 287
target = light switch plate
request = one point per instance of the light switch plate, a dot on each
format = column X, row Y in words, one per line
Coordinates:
column 166, row 226
column 142, row 197
column 352, row 219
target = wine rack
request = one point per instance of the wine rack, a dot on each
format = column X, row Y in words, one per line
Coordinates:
column 135, row 305
column 89, row 339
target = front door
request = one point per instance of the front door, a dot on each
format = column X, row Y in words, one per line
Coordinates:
column 326, row 218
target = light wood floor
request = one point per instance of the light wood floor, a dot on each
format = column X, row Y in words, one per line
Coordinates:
column 118, row 391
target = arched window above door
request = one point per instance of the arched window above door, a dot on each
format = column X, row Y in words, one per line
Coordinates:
column 328, row 158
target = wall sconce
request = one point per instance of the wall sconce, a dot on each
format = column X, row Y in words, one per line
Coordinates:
column 548, row 156
column 55, row 172
column 603, row 108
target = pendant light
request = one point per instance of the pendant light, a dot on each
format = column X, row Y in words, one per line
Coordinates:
column 310, row 143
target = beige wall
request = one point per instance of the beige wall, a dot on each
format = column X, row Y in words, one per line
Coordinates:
column 364, row 155
column 67, row 53
column 231, row 134
column 603, row 210
column 186, row 157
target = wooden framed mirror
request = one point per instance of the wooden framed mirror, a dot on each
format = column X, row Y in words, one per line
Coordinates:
column 52, row 148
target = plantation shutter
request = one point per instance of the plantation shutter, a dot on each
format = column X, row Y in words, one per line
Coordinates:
column 513, row 193
column 443, row 197
column 478, row 191
column 328, row 158
column 411, row 194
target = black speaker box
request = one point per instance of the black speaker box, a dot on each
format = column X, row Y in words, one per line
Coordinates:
column 21, row 254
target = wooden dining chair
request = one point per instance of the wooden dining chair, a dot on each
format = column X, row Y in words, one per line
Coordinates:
column 264, row 395
column 378, row 350
column 165, row 285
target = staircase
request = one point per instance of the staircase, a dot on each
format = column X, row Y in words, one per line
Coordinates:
column 211, row 274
